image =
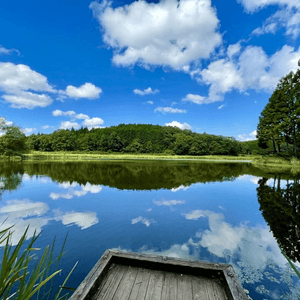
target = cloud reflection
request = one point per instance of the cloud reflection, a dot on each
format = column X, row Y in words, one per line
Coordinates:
column 181, row 187
column 145, row 221
column 23, row 213
column 169, row 203
column 81, row 219
column 87, row 188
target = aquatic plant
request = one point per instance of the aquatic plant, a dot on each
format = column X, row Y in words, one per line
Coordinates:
column 22, row 273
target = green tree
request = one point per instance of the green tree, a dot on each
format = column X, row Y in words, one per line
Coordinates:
column 13, row 140
column 279, row 122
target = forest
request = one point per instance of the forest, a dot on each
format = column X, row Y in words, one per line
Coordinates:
column 135, row 138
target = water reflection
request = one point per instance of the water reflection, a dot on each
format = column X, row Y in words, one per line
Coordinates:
column 200, row 211
column 143, row 175
column 280, row 206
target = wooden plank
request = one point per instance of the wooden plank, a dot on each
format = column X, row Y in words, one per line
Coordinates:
column 126, row 285
column 140, row 285
column 234, row 286
column 169, row 290
column 106, row 282
column 143, row 277
column 154, row 290
column 107, row 291
column 199, row 288
column 87, row 284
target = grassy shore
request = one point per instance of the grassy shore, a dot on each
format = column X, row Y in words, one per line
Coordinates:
column 79, row 156
column 268, row 163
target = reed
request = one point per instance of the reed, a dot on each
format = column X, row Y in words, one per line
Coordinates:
column 22, row 273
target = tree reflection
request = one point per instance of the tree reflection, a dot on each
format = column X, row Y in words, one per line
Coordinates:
column 280, row 205
column 9, row 179
column 138, row 175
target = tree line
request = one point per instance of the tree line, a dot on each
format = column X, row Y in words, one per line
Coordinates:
column 135, row 138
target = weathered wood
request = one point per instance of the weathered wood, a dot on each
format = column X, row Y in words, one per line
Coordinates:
column 131, row 276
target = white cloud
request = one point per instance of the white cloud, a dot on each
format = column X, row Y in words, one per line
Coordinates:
column 169, row 203
column 69, row 125
column 233, row 50
column 168, row 33
column 247, row 137
column 221, row 106
column 150, row 102
column 252, row 69
column 27, row 131
column 81, row 219
column 27, row 100
column 145, row 221
column 81, row 116
column 145, row 91
column 93, row 122
column 45, row 127
column 196, row 99
column 171, row 110
column 287, row 16
column 6, row 51
column 87, row 90
column 182, row 126
column 16, row 78
column 57, row 113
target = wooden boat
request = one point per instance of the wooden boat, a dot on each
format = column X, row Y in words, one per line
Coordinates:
column 131, row 276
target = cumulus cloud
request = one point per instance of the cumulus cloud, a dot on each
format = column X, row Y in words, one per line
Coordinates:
column 144, row 221
column 69, row 125
column 251, row 69
column 58, row 113
column 28, row 100
column 82, row 116
column 21, row 78
column 87, row 91
column 248, row 137
column 168, row 33
column 93, row 122
column 23, row 87
column 182, row 126
column 28, row 131
column 170, row 110
column 145, row 91
column 88, row 122
column 196, row 99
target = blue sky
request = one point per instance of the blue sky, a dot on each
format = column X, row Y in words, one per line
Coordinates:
column 208, row 66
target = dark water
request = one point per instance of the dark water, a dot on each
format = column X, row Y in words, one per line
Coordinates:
column 219, row 212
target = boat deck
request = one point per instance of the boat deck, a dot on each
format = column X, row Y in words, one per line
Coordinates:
column 132, row 283
column 131, row 276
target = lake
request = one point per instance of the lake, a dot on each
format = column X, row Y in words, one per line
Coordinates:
column 217, row 212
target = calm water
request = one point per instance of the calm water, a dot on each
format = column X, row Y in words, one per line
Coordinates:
column 218, row 212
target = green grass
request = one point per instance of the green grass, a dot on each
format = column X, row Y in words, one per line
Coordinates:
column 36, row 155
column 24, row 274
